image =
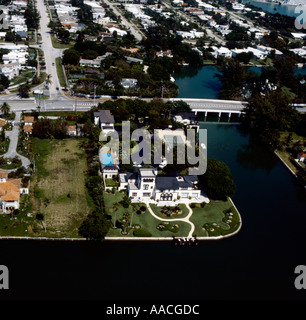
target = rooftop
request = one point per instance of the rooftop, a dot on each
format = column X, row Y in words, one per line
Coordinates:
column 104, row 116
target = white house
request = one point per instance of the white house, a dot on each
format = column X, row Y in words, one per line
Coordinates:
column 129, row 83
column 191, row 34
column 257, row 53
column 144, row 185
column 120, row 32
column 221, row 52
column 105, row 120
column 14, row 56
column 299, row 51
column 10, row 70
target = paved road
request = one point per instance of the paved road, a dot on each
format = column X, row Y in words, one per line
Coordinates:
column 50, row 53
column 183, row 15
column 13, row 136
column 132, row 28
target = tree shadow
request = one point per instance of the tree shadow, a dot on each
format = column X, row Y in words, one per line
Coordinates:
column 256, row 156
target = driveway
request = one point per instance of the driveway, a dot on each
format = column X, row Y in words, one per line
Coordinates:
column 13, row 136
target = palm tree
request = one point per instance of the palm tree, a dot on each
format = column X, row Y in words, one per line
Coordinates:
column 5, row 108
column 48, row 79
column 24, row 89
column 134, row 209
column 116, row 207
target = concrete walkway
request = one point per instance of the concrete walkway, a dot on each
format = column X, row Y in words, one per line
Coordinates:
column 13, row 136
column 186, row 219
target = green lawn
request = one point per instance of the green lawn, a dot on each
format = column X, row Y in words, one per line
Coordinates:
column 56, row 44
column 145, row 220
column 214, row 220
column 4, row 145
column 18, row 225
column 60, row 72
column 111, row 183
column 213, row 217
column 23, row 77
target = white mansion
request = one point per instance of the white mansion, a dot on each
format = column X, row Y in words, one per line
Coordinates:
column 145, row 185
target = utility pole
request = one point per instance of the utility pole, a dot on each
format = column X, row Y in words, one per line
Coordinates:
column 162, row 94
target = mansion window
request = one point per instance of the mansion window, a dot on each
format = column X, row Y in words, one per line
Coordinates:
column 145, row 187
column 166, row 197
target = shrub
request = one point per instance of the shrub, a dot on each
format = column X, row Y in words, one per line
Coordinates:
column 141, row 233
column 39, row 216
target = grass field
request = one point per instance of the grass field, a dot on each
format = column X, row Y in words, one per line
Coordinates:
column 56, row 44
column 60, row 72
column 59, row 181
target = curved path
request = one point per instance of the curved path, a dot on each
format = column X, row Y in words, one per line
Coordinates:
column 13, row 136
column 186, row 219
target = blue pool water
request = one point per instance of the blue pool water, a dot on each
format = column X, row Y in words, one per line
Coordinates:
column 107, row 159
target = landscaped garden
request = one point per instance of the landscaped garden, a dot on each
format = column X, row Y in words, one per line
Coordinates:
column 165, row 212
column 217, row 218
column 136, row 220
column 10, row 163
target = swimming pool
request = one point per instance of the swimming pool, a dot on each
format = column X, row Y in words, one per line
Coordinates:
column 107, row 159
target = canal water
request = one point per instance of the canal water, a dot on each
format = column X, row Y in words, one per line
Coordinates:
column 204, row 84
column 198, row 83
column 257, row 263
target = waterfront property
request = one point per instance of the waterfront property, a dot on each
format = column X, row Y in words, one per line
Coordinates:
column 145, row 185
column 9, row 193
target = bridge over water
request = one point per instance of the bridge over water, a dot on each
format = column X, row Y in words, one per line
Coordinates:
column 63, row 103
column 222, row 106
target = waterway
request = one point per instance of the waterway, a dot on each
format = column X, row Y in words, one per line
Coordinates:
column 198, row 83
column 258, row 262
column 203, row 84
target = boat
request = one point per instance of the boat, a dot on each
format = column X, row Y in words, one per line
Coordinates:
column 185, row 241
